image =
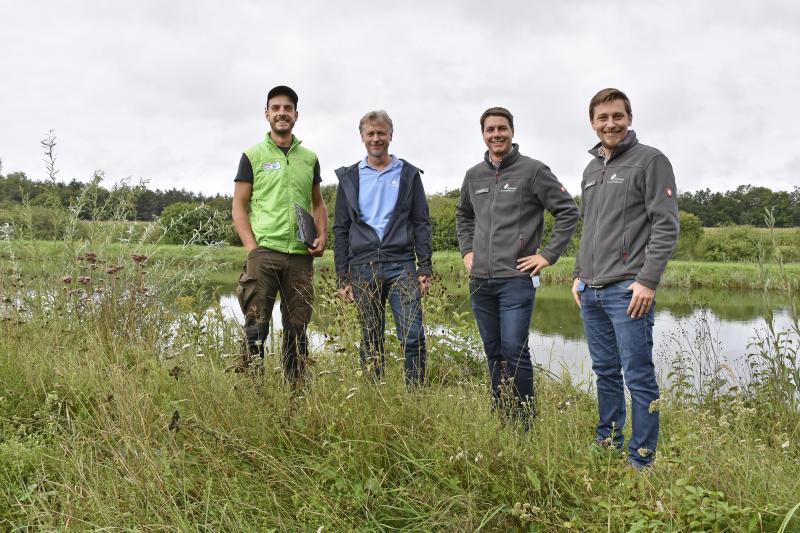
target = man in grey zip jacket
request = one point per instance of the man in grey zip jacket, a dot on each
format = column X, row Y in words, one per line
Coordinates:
column 380, row 227
column 500, row 224
column 630, row 227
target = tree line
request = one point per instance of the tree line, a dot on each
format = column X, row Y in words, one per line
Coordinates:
column 744, row 205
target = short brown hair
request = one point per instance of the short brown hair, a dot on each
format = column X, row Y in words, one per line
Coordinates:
column 498, row 112
column 376, row 116
column 608, row 95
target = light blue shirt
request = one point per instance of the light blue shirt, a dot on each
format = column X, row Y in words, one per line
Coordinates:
column 377, row 193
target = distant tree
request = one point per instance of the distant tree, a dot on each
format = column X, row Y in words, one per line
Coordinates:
column 745, row 205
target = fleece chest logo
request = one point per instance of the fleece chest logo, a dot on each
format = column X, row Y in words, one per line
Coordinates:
column 615, row 179
column 508, row 188
column 668, row 192
column 271, row 166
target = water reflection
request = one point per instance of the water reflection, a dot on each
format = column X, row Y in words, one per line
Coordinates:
column 730, row 318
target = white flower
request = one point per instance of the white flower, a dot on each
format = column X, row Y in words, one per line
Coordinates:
column 785, row 445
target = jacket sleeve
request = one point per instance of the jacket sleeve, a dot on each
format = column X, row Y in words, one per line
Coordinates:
column 421, row 226
column 576, row 270
column 660, row 199
column 341, row 239
column 465, row 220
column 561, row 205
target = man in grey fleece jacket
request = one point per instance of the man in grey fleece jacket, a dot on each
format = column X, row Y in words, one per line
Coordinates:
column 630, row 227
column 500, row 224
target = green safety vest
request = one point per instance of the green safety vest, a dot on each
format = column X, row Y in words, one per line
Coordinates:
column 279, row 181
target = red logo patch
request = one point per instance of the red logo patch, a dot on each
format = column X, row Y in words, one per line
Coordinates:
column 668, row 191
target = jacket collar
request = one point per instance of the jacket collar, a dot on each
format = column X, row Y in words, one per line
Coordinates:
column 507, row 160
column 629, row 140
column 348, row 180
column 269, row 141
column 395, row 162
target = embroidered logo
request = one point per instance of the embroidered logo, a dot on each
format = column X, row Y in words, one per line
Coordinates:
column 615, row 179
column 481, row 191
column 668, row 192
column 508, row 188
column 563, row 189
column 272, row 166
column 394, row 183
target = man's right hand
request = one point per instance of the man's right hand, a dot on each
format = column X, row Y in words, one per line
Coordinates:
column 346, row 293
column 575, row 293
column 468, row 262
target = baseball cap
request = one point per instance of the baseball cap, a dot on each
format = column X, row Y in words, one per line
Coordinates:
column 284, row 90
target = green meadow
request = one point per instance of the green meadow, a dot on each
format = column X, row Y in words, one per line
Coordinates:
column 121, row 409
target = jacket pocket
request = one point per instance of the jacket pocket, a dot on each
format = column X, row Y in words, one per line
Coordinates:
column 626, row 241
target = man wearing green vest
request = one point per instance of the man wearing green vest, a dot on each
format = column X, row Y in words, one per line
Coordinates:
column 274, row 175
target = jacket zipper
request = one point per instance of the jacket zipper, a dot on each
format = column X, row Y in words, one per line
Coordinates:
column 491, row 218
column 292, row 222
column 601, row 192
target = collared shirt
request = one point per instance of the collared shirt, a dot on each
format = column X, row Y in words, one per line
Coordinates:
column 377, row 193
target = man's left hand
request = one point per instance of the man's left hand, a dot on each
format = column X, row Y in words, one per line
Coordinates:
column 535, row 262
column 424, row 284
column 641, row 301
column 319, row 246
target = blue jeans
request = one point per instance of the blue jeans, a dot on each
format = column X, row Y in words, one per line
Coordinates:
column 373, row 284
column 503, row 308
column 617, row 344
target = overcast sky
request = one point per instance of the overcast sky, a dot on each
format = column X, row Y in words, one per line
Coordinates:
column 174, row 91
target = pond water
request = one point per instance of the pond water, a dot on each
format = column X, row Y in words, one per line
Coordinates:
column 717, row 323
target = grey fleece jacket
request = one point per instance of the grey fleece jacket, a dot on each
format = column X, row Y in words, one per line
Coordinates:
column 500, row 215
column 630, row 215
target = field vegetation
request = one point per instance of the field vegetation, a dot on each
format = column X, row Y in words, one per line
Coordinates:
column 121, row 408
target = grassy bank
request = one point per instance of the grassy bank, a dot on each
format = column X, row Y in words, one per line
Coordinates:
column 117, row 412
column 227, row 262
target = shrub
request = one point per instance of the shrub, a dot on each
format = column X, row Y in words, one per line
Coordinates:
column 691, row 234
column 190, row 223
column 442, row 214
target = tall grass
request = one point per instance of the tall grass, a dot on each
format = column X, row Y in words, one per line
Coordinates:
column 116, row 412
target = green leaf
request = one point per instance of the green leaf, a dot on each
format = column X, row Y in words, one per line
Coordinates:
column 534, row 479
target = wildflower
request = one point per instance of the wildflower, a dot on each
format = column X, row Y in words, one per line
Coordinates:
column 113, row 269
column 723, row 422
column 659, row 506
column 67, row 279
column 643, row 452
column 587, row 481
column 139, row 259
column 478, row 456
column 785, row 445
column 83, row 280
column 656, row 405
